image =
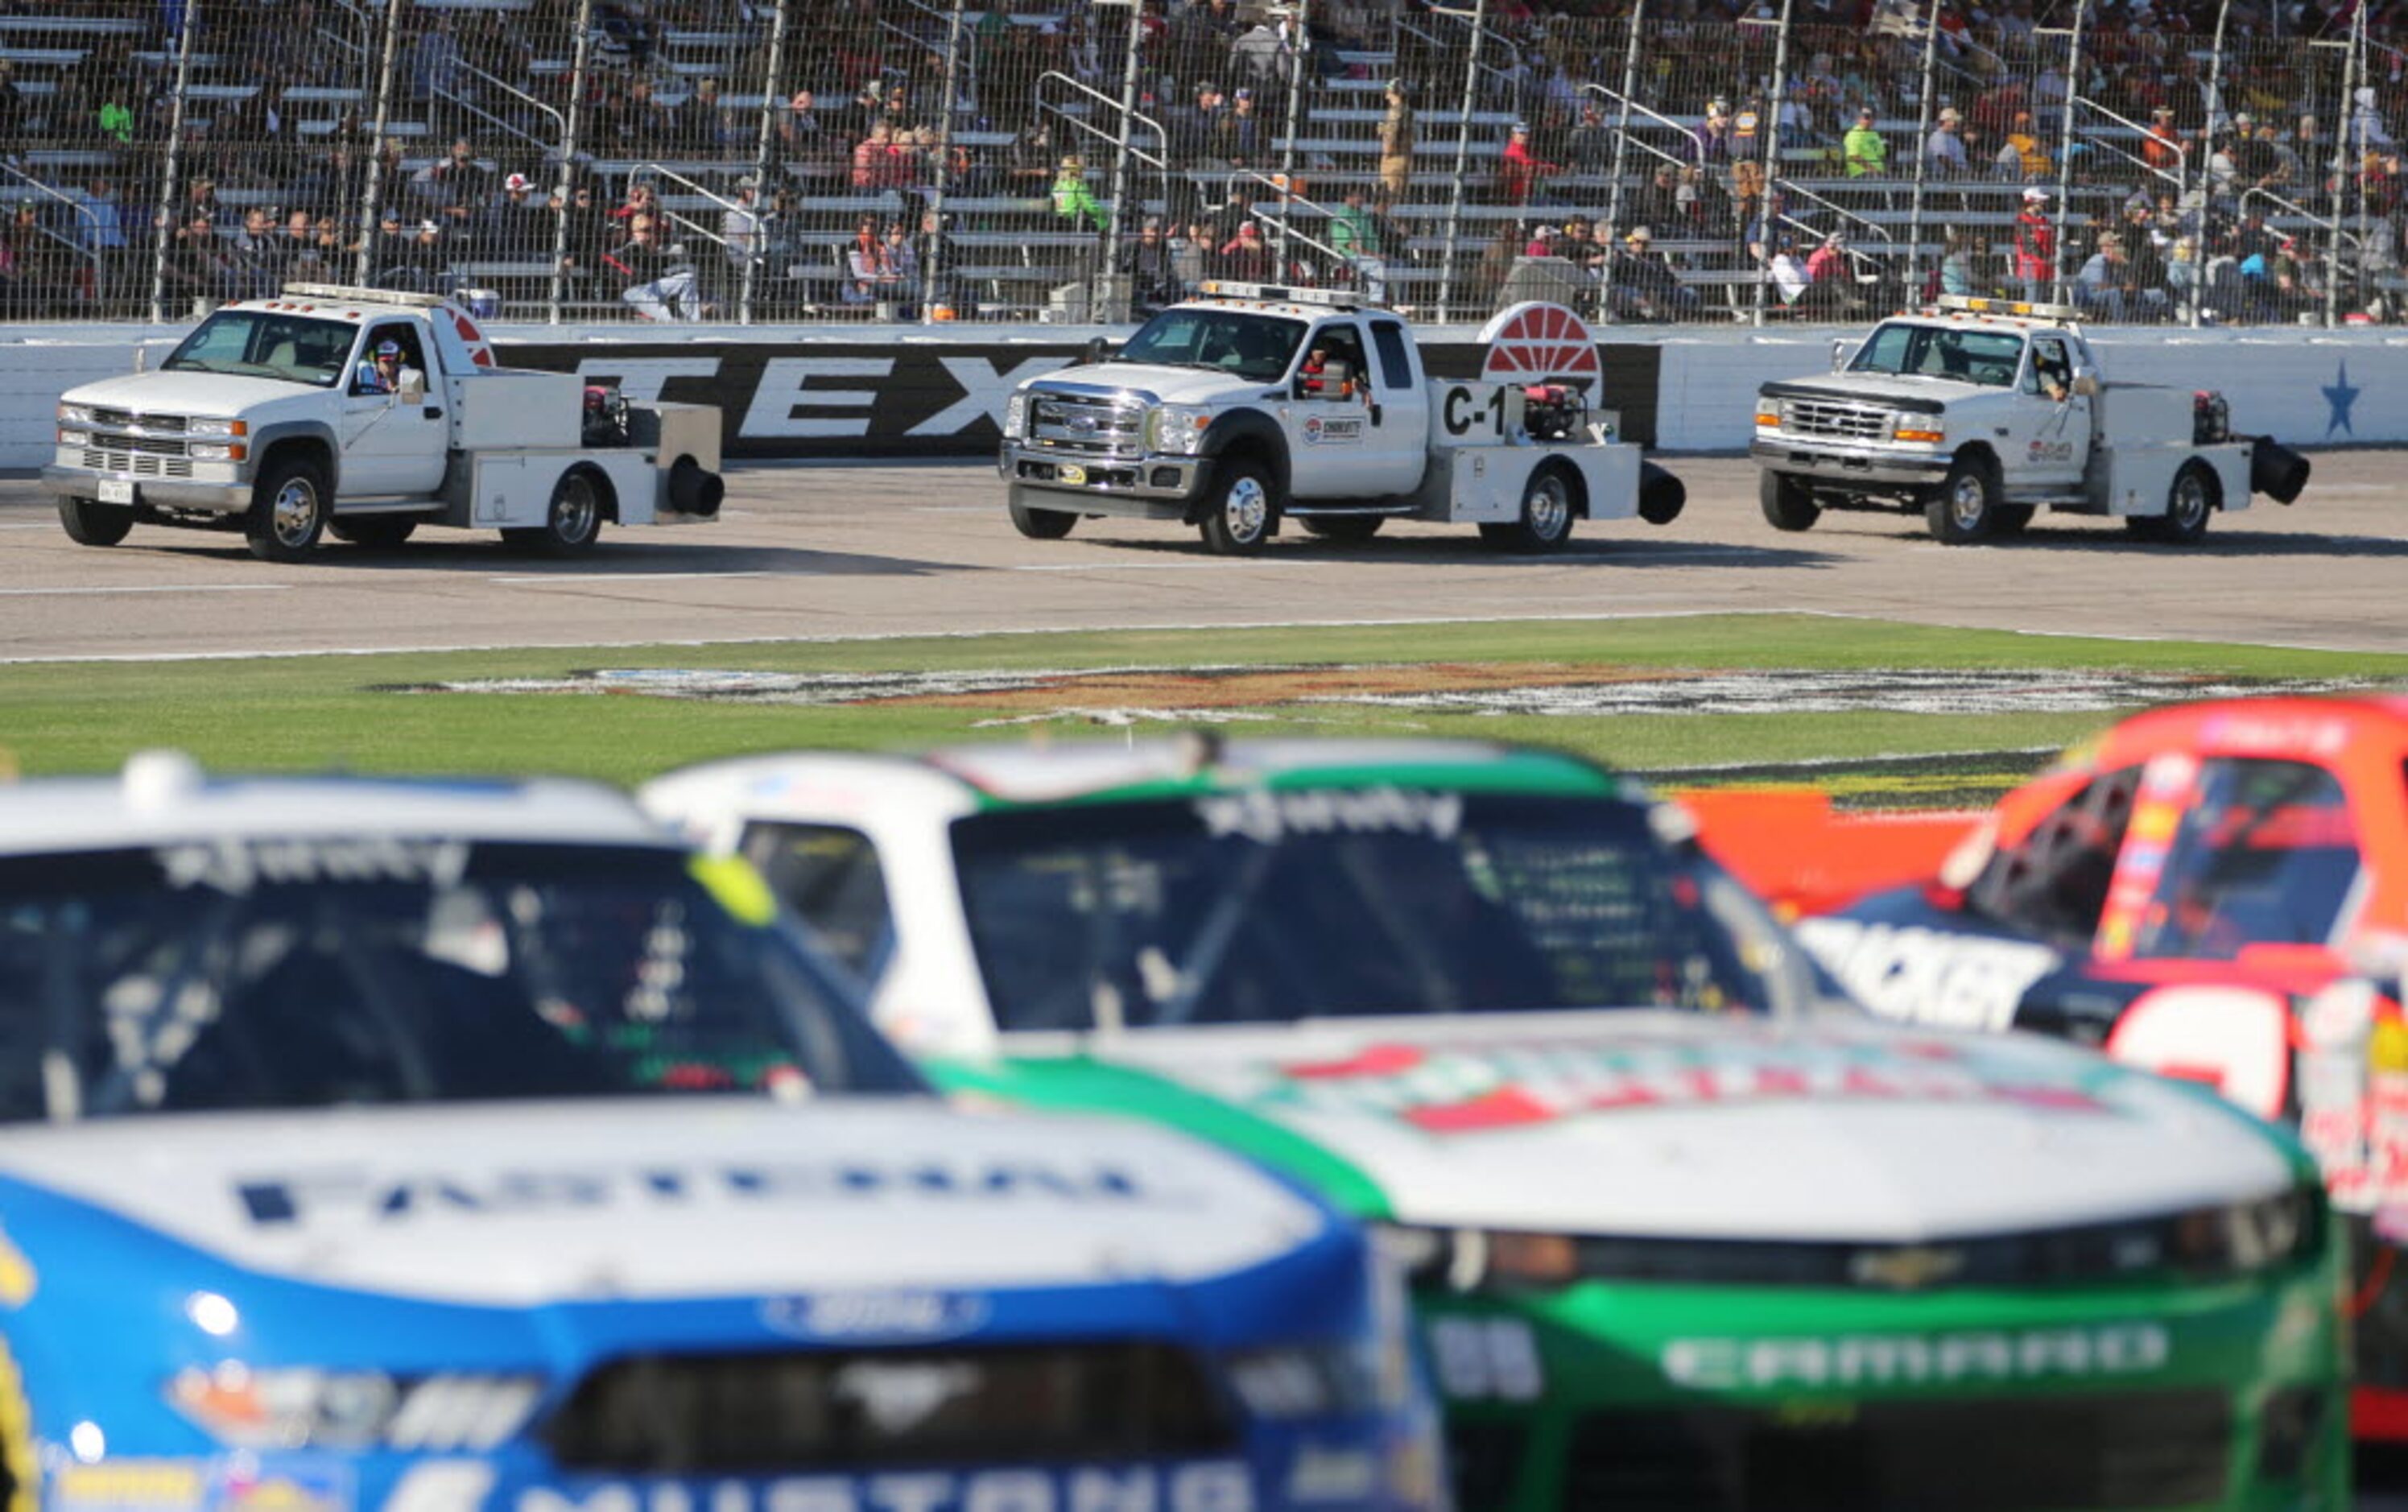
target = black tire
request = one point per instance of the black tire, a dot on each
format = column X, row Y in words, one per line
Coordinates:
column 2013, row 519
column 1550, row 501
column 1966, row 508
column 572, row 521
column 1344, row 527
column 1662, row 497
column 2190, row 501
column 1787, row 504
column 92, row 524
column 377, row 532
column 2275, row 470
column 1042, row 525
column 290, row 506
column 1242, row 510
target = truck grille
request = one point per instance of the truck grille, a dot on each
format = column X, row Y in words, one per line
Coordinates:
column 1097, row 427
column 1837, row 418
column 127, row 419
column 900, row 1408
column 141, row 464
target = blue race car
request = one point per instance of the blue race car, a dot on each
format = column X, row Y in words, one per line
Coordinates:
column 448, row 1147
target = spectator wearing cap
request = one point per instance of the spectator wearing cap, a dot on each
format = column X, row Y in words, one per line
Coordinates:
column 522, row 225
column 2161, row 148
column 1520, row 172
column 1943, row 153
column 1396, row 136
column 1643, row 285
column 1237, row 135
column 1247, row 257
column 1073, row 201
column 454, row 190
column 1710, row 141
column 659, row 278
column 2021, row 155
column 2035, row 245
column 2251, row 154
column 1866, row 154
column 1541, row 242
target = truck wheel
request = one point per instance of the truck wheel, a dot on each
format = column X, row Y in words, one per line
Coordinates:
column 2013, row 519
column 1546, row 521
column 1042, row 525
column 289, row 510
column 1787, row 504
column 89, row 524
column 1240, row 519
column 2188, row 503
column 571, row 524
column 378, row 532
column 1345, row 527
column 1966, row 509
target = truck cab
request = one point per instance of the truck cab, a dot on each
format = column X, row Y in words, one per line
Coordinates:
column 1979, row 412
column 365, row 413
column 1250, row 404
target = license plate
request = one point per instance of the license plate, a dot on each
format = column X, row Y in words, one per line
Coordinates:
column 1074, row 474
column 116, row 491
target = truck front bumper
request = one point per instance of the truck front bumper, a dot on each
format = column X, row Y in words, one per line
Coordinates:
column 164, row 493
column 1146, row 487
column 1861, row 464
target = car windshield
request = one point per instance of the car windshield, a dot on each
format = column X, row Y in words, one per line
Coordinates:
column 1265, row 906
column 316, row 972
column 260, row 343
column 2266, row 854
column 1965, row 356
column 1257, row 348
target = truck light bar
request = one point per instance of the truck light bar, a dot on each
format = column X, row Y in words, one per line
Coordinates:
column 1327, row 298
column 1975, row 306
column 344, row 293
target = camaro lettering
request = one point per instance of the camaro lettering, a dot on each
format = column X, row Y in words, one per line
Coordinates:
column 298, row 1198
column 1211, row 1487
column 1267, row 818
column 1928, row 976
column 1881, row 1359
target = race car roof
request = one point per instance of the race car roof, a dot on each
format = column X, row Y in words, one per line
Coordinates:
column 162, row 797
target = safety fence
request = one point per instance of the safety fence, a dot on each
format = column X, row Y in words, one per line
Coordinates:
column 1073, row 161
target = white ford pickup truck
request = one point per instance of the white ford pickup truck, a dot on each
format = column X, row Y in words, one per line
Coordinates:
column 276, row 417
column 1980, row 412
column 1252, row 404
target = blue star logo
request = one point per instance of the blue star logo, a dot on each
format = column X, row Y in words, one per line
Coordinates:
column 2341, row 396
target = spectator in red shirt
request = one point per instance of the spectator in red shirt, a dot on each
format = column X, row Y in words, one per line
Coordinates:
column 2035, row 246
column 1521, row 171
column 1247, row 257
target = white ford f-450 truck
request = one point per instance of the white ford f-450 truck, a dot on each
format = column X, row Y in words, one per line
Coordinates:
column 1252, row 404
column 278, row 417
column 1981, row 411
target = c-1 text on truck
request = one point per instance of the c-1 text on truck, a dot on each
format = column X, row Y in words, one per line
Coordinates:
column 365, row 413
column 1979, row 412
column 1252, row 404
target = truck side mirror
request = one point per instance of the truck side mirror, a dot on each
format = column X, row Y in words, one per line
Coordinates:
column 1096, row 351
column 2086, row 384
column 414, row 387
column 1838, row 352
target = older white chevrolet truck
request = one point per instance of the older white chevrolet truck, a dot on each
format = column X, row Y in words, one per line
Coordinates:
column 277, row 417
column 1253, row 404
column 1981, row 411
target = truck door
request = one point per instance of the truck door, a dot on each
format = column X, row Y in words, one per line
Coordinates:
column 2054, row 434
column 1332, row 450
column 1399, row 409
column 391, row 447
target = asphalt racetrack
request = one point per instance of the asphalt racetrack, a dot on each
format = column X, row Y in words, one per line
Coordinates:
column 900, row 549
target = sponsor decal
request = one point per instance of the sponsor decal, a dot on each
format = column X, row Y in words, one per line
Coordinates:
column 1320, row 431
column 876, row 1315
column 321, row 1486
column 19, row 1280
column 1208, row 1485
column 298, row 1197
column 1534, row 341
column 1450, row 1090
column 1928, row 976
column 1269, row 818
column 1888, row 1359
column 2042, row 451
column 130, row 1485
column 229, row 865
column 1486, row 1360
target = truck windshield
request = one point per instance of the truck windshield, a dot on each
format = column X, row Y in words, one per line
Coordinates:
column 1257, row 348
column 261, row 343
column 1271, row 906
column 314, row 972
column 1964, row 356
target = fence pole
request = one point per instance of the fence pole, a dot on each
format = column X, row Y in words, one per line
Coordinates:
column 1462, row 158
column 171, row 214
column 371, row 195
column 2209, row 129
column 2056, row 290
column 1923, row 116
column 2353, row 158
column 1622, row 131
column 1772, row 152
column 946, row 102
column 756, row 243
column 572, row 118
column 1120, row 154
column 1294, row 108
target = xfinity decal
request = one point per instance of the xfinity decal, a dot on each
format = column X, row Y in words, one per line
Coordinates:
column 1213, row 1486
column 918, row 1315
column 274, row 1201
column 1928, row 976
column 1885, row 1359
column 1269, row 818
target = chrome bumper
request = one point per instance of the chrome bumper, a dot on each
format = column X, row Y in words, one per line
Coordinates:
column 1155, row 487
column 1810, row 458
column 167, row 493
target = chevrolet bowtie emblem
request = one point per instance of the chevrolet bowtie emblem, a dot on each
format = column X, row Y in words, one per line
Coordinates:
column 1910, row 1269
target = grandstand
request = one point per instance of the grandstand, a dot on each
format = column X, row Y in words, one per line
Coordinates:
column 910, row 160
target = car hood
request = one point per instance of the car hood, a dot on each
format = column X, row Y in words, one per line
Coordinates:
column 1645, row 1123
column 1170, row 385
column 216, row 395
column 529, row 1204
column 1924, row 394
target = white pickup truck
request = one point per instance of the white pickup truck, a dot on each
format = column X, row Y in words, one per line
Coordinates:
column 272, row 417
column 1252, row 404
column 1980, row 412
